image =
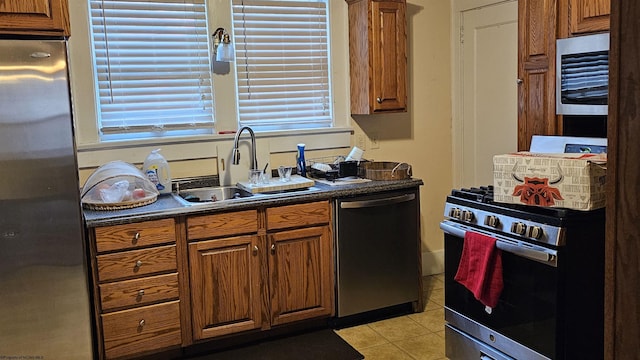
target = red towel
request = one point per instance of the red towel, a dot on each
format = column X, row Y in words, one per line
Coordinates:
column 480, row 268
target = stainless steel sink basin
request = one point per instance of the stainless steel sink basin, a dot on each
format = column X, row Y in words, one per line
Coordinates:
column 212, row 194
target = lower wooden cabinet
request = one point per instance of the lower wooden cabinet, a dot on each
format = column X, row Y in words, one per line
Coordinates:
column 300, row 274
column 170, row 283
column 264, row 276
column 138, row 291
column 139, row 330
column 225, row 286
column 137, row 288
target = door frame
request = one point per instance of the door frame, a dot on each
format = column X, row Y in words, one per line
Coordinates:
column 457, row 9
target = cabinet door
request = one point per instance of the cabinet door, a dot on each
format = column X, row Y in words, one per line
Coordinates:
column 536, row 70
column 225, row 286
column 34, row 17
column 589, row 16
column 300, row 275
column 389, row 60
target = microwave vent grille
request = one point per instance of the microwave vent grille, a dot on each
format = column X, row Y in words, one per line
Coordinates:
column 585, row 77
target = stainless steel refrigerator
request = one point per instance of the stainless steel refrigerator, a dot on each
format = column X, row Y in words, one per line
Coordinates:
column 45, row 310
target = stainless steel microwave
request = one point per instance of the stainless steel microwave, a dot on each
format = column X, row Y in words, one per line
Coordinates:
column 582, row 75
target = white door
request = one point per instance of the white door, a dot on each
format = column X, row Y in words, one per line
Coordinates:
column 487, row 91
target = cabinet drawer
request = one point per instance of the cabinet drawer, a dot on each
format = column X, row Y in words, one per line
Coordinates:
column 136, row 263
column 129, row 236
column 142, row 329
column 139, row 291
column 298, row 215
column 233, row 223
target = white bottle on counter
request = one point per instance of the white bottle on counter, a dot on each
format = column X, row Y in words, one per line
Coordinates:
column 156, row 168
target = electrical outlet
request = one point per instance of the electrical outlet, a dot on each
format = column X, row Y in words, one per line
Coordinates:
column 361, row 141
column 375, row 144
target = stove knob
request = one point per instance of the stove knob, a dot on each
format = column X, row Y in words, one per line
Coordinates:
column 455, row 213
column 536, row 232
column 467, row 216
column 519, row 228
column 492, row 221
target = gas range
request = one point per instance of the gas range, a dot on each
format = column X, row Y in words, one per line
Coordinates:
column 535, row 224
column 552, row 261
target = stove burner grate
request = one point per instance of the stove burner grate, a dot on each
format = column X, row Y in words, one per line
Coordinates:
column 483, row 194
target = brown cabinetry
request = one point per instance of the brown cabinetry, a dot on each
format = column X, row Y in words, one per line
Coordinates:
column 536, row 70
column 259, row 268
column 135, row 268
column 163, row 284
column 300, row 262
column 378, row 60
column 587, row 16
column 540, row 23
column 34, row 17
column 224, row 267
column 622, row 293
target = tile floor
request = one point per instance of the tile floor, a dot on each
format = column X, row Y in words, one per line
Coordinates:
column 418, row 336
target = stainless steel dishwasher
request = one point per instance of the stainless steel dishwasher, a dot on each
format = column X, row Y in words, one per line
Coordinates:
column 378, row 250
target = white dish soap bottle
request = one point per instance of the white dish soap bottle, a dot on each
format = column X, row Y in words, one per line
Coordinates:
column 156, row 168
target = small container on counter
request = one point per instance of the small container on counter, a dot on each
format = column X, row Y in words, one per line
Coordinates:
column 301, row 163
column 156, row 168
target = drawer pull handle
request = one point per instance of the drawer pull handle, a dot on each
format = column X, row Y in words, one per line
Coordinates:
column 255, row 250
column 379, row 100
column 138, row 263
column 136, row 237
column 141, row 323
column 273, row 249
column 140, row 292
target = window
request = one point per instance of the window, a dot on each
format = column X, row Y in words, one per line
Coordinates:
column 282, row 63
column 152, row 67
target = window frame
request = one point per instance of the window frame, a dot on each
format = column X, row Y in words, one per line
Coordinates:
column 219, row 15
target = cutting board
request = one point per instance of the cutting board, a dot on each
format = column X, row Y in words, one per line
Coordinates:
column 297, row 182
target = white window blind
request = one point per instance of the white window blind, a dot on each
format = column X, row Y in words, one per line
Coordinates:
column 282, row 63
column 153, row 68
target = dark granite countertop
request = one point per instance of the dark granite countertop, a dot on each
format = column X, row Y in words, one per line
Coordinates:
column 168, row 205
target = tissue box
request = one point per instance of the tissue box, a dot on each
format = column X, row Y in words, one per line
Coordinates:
column 573, row 181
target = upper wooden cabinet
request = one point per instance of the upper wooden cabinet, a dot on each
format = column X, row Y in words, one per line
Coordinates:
column 536, row 70
column 34, row 17
column 378, row 60
column 587, row 16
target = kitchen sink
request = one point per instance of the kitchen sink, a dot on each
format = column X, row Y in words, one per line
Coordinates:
column 212, row 194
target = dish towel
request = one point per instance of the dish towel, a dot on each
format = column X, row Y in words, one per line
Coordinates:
column 480, row 268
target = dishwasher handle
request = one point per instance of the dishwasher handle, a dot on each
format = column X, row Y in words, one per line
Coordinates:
column 377, row 202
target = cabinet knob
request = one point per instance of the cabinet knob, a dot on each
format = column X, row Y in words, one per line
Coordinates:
column 255, row 250
column 519, row 81
column 379, row 100
column 140, row 292
column 136, row 237
column 141, row 323
column 138, row 263
column 273, row 248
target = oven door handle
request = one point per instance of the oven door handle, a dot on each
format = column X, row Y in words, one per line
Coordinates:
column 543, row 255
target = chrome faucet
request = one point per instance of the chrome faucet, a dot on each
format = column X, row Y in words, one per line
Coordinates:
column 236, row 152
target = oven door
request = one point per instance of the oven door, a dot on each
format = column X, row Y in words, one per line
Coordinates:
column 524, row 323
